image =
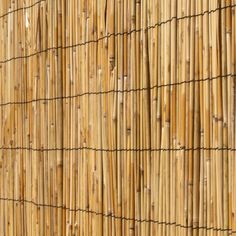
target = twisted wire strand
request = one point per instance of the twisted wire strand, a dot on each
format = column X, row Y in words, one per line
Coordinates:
column 116, row 91
column 158, row 24
column 110, row 215
column 119, row 149
column 22, row 8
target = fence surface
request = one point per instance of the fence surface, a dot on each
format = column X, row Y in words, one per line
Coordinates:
column 118, row 117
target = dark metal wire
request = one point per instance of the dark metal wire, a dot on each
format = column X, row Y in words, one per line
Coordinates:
column 120, row 33
column 120, row 149
column 116, row 91
column 110, row 215
column 22, row 8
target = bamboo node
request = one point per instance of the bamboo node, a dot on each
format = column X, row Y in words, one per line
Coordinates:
column 133, row 19
column 128, row 131
column 112, row 62
column 114, row 118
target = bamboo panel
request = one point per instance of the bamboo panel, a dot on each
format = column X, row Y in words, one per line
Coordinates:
column 118, row 117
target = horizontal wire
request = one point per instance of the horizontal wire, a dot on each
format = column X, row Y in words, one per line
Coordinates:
column 120, row 33
column 115, row 91
column 120, row 149
column 110, row 215
column 22, row 8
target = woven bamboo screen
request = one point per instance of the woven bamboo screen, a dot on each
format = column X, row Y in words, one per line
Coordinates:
column 118, row 117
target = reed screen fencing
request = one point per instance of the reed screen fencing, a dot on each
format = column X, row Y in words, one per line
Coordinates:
column 118, row 117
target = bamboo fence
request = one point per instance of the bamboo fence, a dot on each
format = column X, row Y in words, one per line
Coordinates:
column 118, row 117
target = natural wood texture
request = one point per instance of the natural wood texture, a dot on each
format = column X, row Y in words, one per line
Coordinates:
column 118, row 117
